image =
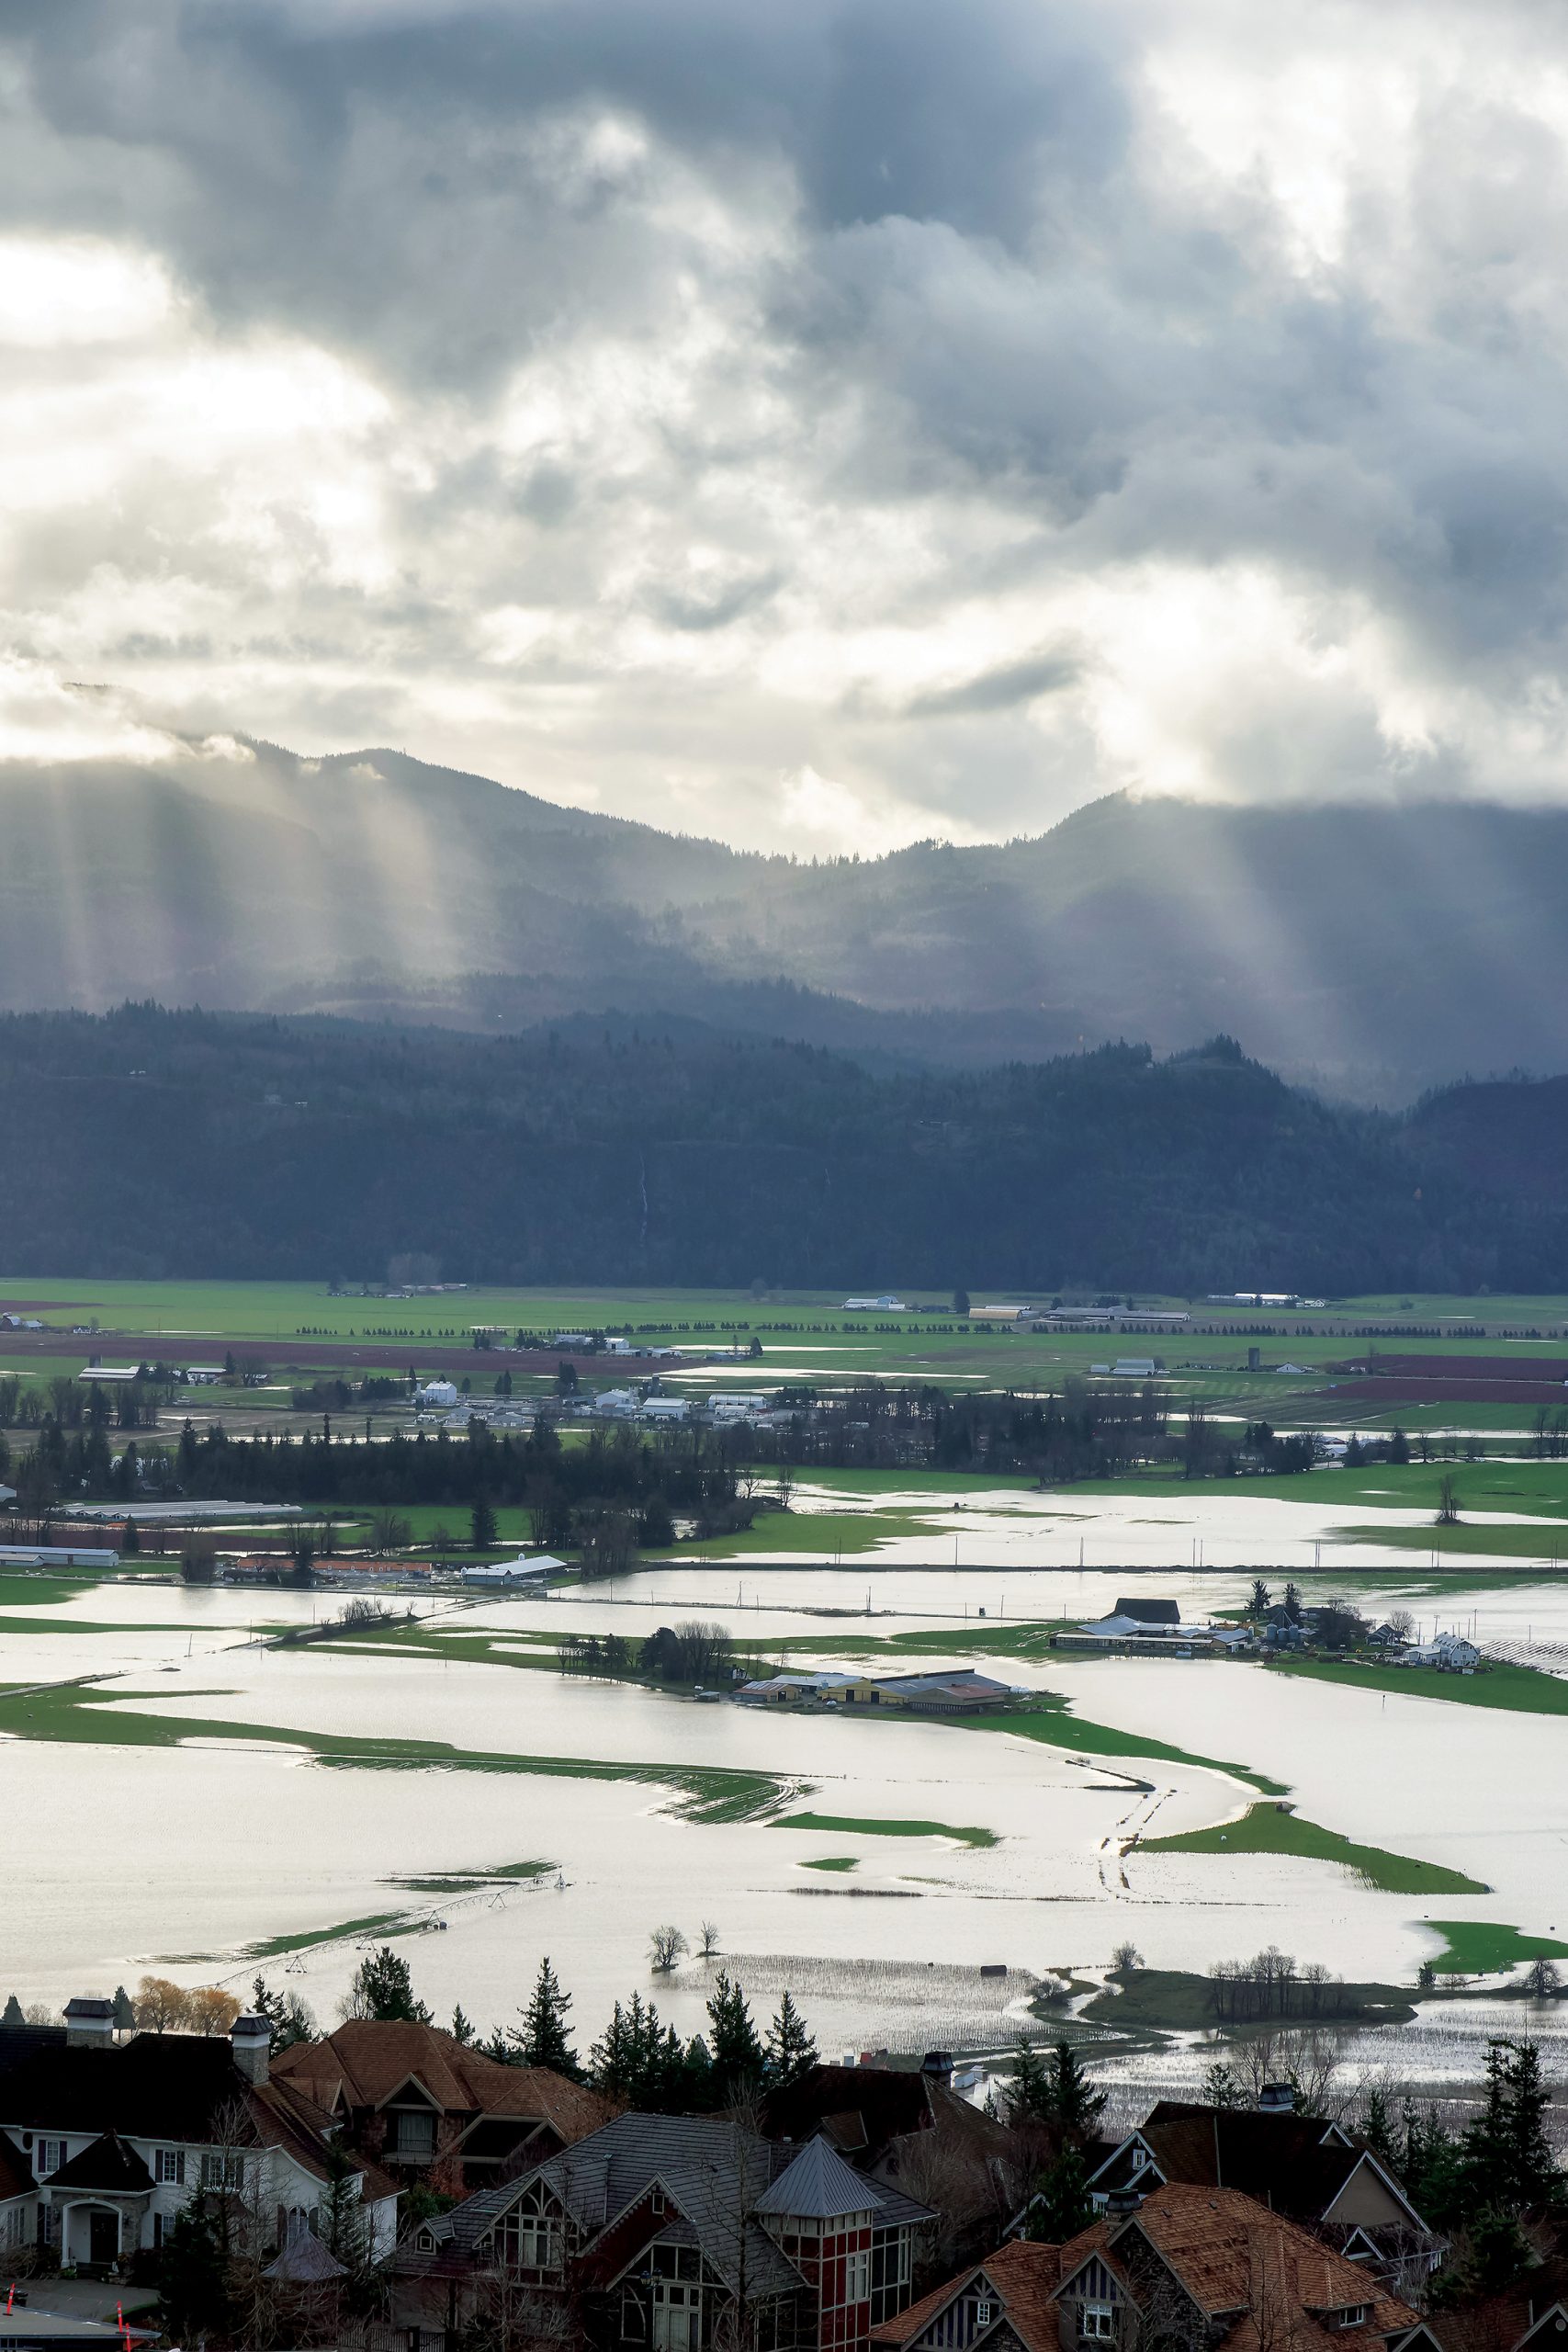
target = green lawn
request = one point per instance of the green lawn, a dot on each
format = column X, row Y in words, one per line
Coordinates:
column 1278, row 1830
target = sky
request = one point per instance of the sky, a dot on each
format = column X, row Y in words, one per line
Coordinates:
column 823, row 425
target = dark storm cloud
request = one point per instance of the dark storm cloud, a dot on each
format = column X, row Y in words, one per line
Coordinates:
column 786, row 369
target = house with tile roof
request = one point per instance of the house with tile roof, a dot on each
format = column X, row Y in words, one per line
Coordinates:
column 1191, row 2269
column 116, row 2137
column 671, row 2233
column 429, row 2107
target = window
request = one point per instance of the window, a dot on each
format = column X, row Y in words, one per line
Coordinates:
column 1097, row 2323
column 530, row 2241
column 222, row 2168
column 51, row 2157
column 411, row 2135
column 169, row 2164
column 857, row 2275
column 1140, row 2158
column 677, row 2316
column 983, row 2314
column 658, row 2203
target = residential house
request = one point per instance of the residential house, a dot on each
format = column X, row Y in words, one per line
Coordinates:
column 670, row 2232
column 1530, row 2314
column 1318, row 2172
column 115, row 2137
column 427, row 2106
column 1191, row 2270
column 909, row 2130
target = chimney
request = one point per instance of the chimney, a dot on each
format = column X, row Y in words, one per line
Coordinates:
column 89, row 2024
column 1277, row 2099
column 249, row 2044
column 937, row 2067
column 1123, row 2201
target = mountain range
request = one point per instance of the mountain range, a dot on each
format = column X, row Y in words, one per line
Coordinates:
column 1370, row 951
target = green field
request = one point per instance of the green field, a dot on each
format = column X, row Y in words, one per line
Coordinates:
column 867, row 1826
column 1278, row 1830
column 1483, row 1947
column 803, row 1334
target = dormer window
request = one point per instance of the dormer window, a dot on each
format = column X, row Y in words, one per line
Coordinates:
column 659, row 2202
column 1140, row 2158
column 984, row 2314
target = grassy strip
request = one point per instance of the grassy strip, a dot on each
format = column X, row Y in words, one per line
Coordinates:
column 1278, row 1830
column 832, row 1862
column 855, row 1826
column 1480, row 1947
column 1521, row 1690
column 68, row 1711
column 1048, row 1720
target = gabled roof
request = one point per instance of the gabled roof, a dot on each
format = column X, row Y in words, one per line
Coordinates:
column 819, row 2186
column 863, row 2111
column 366, row 2064
column 713, row 2172
column 177, row 2086
column 108, row 2164
column 1225, row 2248
column 1298, row 2163
column 1505, row 2320
column 1024, row 2276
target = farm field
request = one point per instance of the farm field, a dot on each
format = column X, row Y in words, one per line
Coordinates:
column 409, row 1772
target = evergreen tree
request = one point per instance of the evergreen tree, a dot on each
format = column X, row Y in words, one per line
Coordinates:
column 11, row 2015
column 1507, row 2162
column 545, row 2039
column 1025, row 2098
column 481, row 1525
column 1377, row 2128
column 382, row 1989
column 130, row 1541
column 1075, row 2106
column 1259, row 1607
column 1294, row 1604
column 791, row 2052
column 193, row 2270
column 463, row 2028
column 1062, row 2205
column 739, row 2060
column 288, row 2015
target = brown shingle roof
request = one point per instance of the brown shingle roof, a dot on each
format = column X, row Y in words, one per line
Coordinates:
column 364, row 2064
column 1226, row 2250
column 1025, row 2277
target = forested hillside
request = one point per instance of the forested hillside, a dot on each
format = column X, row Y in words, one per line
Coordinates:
column 190, row 1143
column 1370, row 950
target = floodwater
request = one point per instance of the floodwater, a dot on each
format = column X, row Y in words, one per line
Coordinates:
column 136, row 1857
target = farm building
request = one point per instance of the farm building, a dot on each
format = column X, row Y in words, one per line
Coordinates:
column 955, row 1691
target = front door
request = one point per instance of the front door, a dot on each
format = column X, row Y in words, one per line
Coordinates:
column 103, row 2236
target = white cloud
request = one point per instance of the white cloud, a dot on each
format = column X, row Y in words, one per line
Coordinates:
column 953, row 412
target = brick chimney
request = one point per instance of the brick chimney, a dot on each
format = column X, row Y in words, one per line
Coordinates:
column 250, row 2042
column 89, row 2023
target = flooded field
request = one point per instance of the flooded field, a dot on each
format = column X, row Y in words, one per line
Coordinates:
column 220, row 1806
